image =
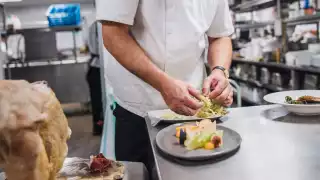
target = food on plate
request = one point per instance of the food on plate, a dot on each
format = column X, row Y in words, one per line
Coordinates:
column 203, row 134
column 33, row 131
column 173, row 116
column 303, row 100
column 96, row 168
column 209, row 109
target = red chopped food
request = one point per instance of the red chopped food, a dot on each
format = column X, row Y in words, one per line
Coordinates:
column 99, row 164
column 216, row 140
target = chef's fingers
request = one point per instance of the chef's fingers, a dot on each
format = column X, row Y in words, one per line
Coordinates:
column 183, row 110
column 192, row 103
column 229, row 100
column 193, row 92
column 207, row 84
column 218, row 89
column 224, row 95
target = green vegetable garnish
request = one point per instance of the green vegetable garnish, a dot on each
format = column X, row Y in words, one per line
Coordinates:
column 210, row 108
column 289, row 100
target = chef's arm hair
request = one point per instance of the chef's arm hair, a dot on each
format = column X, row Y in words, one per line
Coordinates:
column 220, row 52
column 130, row 55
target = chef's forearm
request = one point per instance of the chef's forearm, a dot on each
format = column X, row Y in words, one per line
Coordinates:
column 127, row 52
column 220, row 52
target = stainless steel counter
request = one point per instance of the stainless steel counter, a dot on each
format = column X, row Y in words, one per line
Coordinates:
column 276, row 146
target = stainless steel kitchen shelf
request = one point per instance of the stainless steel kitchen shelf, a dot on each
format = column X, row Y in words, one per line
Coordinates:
column 256, row 5
column 253, row 5
column 307, row 19
column 57, row 29
column 257, row 84
column 263, row 64
column 254, row 25
column 305, row 69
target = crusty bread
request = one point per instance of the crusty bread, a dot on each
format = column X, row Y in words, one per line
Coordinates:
column 33, row 131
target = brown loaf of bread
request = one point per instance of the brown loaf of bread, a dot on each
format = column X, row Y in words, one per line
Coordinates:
column 33, row 131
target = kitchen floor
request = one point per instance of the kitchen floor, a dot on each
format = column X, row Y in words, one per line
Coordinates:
column 82, row 143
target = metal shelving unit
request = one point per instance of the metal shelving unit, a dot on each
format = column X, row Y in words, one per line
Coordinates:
column 253, row 5
column 255, row 83
column 254, row 25
column 296, row 73
column 304, row 69
column 307, row 19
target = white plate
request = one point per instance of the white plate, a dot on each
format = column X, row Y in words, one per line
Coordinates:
column 158, row 115
column 300, row 109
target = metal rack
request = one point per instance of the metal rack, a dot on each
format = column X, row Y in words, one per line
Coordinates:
column 253, row 25
column 297, row 73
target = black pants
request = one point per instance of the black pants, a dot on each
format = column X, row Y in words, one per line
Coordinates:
column 94, row 81
column 132, row 141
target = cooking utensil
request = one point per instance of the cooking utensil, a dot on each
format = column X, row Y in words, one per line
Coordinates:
column 167, row 143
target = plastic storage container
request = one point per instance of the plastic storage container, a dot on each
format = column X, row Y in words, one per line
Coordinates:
column 64, row 15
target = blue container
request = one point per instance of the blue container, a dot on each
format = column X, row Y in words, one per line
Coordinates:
column 64, row 15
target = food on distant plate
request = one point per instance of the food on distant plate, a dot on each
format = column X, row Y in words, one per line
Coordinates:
column 209, row 109
column 33, row 131
column 303, row 100
column 203, row 134
column 96, row 168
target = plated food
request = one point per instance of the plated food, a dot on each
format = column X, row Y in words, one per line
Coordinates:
column 197, row 141
column 303, row 100
column 203, row 134
column 210, row 110
column 96, row 168
column 300, row 102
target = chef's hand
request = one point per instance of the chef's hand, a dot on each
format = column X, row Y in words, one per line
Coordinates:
column 220, row 86
column 178, row 96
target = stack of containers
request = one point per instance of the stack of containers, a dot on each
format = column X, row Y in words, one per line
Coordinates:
column 64, row 15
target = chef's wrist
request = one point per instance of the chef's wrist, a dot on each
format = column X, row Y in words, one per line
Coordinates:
column 221, row 70
column 162, row 81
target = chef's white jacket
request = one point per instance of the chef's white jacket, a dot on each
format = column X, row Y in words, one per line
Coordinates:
column 173, row 34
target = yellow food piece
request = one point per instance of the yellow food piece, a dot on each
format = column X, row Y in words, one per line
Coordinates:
column 178, row 133
column 209, row 146
column 190, row 127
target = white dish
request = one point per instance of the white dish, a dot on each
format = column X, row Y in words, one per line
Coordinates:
column 300, row 109
column 159, row 116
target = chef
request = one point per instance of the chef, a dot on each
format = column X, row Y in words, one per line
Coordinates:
column 157, row 60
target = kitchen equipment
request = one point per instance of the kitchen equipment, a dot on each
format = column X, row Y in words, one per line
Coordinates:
column 299, row 109
column 315, row 61
column 167, row 143
column 265, row 76
column 253, row 73
column 299, row 58
column 276, row 79
column 314, row 48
